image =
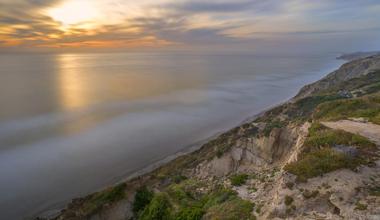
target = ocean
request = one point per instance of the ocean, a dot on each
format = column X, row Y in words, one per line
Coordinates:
column 74, row 123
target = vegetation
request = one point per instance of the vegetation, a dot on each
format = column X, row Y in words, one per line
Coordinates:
column 288, row 200
column 238, row 179
column 232, row 209
column 310, row 194
column 303, row 108
column 158, row 208
column 321, row 136
column 289, row 185
column 178, row 178
column 374, row 191
column 143, row 197
column 365, row 107
column 185, row 201
column 190, row 213
column 271, row 125
column 97, row 200
column 320, row 162
column 360, row 206
column 361, row 86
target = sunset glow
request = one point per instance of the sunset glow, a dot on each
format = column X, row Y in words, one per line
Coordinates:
column 183, row 24
column 74, row 12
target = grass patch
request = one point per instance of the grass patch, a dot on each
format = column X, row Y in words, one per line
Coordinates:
column 232, row 209
column 320, row 162
column 238, row 179
column 365, row 107
column 320, row 136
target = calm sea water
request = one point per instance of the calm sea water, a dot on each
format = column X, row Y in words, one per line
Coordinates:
column 71, row 124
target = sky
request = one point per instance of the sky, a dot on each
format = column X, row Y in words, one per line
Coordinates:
column 262, row 25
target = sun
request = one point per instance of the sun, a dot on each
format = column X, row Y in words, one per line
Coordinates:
column 74, row 12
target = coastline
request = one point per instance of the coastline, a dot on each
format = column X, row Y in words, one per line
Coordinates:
column 150, row 170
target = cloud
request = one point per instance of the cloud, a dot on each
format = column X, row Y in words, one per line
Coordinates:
column 172, row 23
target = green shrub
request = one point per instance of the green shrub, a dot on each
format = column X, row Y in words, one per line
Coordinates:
column 320, row 162
column 271, row 125
column 289, row 185
column 238, row 179
column 307, row 194
column 374, row 191
column 288, row 200
column 143, row 197
column 178, row 195
column 258, row 208
column 360, row 206
column 96, row 201
column 217, row 197
column 178, row 178
column 219, row 153
column 158, row 209
column 304, row 107
column 188, row 204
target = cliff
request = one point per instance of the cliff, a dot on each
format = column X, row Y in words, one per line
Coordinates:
column 314, row 157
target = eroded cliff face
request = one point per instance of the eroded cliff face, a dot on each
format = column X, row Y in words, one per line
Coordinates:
column 254, row 153
column 260, row 150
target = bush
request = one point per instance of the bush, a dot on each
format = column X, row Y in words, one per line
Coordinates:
column 288, row 200
column 289, row 185
column 374, row 191
column 360, row 206
column 271, row 125
column 158, row 209
column 217, row 197
column 178, row 178
column 143, row 197
column 96, row 201
column 307, row 194
column 238, row 179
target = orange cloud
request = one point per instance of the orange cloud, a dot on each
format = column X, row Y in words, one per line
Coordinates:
column 150, row 41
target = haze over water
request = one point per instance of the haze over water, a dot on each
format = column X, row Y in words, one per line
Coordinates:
column 71, row 124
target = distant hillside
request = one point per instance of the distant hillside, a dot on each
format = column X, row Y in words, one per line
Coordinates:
column 357, row 55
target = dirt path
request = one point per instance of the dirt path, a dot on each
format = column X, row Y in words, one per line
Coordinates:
column 368, row 130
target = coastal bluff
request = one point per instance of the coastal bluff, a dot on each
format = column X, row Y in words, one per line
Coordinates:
column 302, row 159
